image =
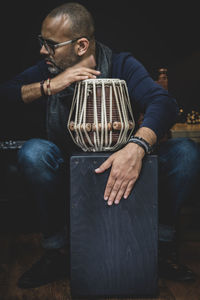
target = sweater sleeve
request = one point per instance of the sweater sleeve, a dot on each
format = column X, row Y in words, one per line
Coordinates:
column 10, row 91
column 158, row 105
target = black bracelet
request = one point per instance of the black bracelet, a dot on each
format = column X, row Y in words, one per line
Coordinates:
column 139, row 144
column 142, row 143
column 42, row 88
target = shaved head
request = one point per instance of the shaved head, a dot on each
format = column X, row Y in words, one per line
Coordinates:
column 78, row 17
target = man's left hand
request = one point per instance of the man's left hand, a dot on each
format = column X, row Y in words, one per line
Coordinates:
column 125, row 169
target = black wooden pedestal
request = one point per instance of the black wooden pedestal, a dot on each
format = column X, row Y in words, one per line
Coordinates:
column 113, row 249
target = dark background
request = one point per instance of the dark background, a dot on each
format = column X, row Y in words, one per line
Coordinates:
column 157, row 33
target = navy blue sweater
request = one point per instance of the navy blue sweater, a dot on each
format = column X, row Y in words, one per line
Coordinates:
column 159, row 107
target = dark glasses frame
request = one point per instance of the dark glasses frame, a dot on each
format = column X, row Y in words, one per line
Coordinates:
column 52, row 46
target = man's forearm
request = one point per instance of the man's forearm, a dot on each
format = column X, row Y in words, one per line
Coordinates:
column 60, row 82
column 31, row 92
column 147, row 134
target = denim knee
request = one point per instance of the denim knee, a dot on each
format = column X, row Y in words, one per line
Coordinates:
column 187, row 149
column 38, row 157
column 180, row 154
column 179, row 168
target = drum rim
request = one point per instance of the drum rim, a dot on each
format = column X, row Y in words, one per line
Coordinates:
column 104, row 80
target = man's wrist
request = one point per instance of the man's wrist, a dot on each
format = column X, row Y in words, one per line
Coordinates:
column 133, row 148
column 142, row 143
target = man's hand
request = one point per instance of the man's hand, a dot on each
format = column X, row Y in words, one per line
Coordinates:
column 81, row 71
column 125, row 169
column 125, row 166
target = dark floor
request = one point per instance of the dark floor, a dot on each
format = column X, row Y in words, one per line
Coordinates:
column 19, row 251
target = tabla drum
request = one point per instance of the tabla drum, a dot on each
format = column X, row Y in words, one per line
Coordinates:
column 101, row 117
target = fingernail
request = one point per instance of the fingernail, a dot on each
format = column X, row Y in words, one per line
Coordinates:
column 116, row 202
column 106, row 198
column 109, row 202
column 97, row 170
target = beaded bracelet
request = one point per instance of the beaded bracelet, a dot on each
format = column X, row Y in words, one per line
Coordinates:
column 48, row 87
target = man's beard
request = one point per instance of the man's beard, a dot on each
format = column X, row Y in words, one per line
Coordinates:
column 63, row 65
column 54, row 69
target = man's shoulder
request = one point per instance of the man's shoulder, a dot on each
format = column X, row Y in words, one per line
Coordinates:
column 124, row 63
column 123, row 56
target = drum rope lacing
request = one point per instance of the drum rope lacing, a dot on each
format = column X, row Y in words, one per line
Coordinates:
column 102, row 133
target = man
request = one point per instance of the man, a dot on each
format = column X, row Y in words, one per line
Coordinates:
column 71, row 54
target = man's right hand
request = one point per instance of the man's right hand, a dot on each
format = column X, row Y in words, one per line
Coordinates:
column 81, row 71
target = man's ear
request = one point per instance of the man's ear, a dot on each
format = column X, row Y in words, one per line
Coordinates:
column 82, row 46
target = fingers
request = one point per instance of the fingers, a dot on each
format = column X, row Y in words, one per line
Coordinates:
column 111, row 190
column 129, row 189
column 91, row 71
column 83, row 77
column 84, row 73
column 106, row 165
column 120, row 193
column 115, row 190
column 124, row 173
column 119, row 184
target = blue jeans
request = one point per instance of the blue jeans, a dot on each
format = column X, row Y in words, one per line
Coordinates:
column 179, row 170
column 44, row 170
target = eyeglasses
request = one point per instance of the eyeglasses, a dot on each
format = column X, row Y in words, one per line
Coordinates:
column 51, row 46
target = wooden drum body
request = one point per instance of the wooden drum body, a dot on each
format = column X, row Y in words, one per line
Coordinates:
column 101, row 117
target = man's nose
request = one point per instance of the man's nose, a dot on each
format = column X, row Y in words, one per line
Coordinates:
column 43, row 50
